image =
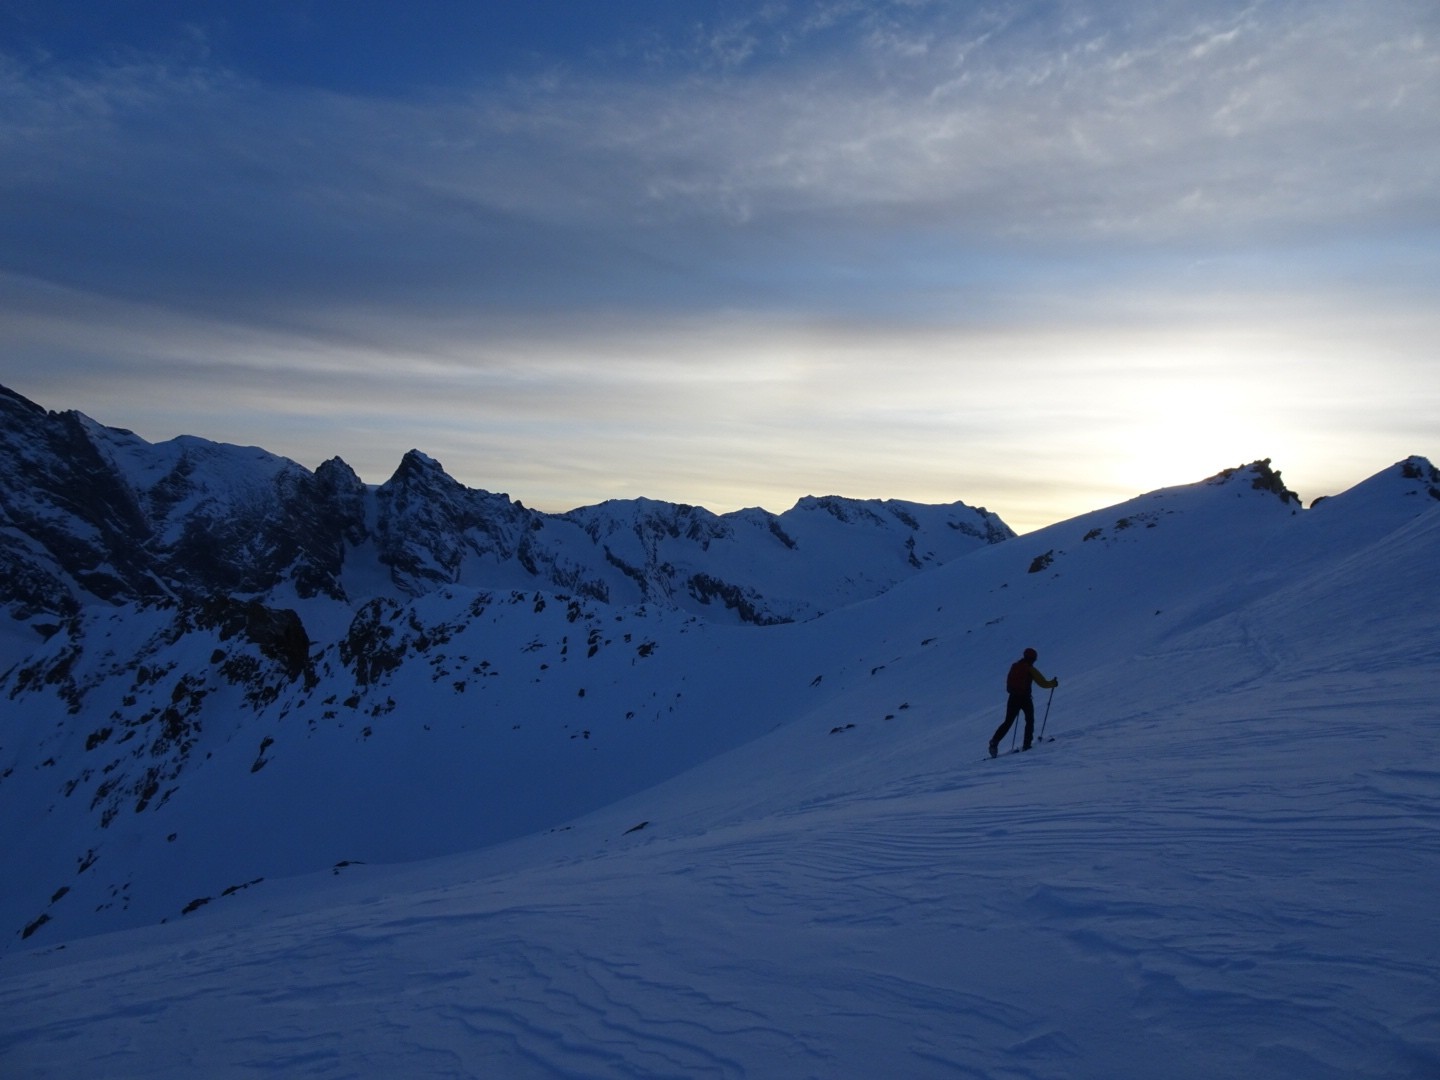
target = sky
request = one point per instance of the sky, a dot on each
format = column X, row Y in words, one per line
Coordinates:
column 1035, row 256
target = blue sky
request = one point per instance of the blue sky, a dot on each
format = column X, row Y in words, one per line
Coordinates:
column 1036, row 256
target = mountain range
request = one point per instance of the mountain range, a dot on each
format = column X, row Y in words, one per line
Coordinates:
column 307, row 592
column 307, row 727
column 94, row 513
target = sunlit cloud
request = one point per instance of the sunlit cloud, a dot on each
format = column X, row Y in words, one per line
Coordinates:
column 1031, row 259
column 760, row 411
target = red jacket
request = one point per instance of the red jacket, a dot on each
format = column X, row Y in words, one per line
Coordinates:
column 1022, row 674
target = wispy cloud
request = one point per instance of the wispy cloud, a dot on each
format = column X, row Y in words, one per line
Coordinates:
column 805, row 245
column 1272, row 118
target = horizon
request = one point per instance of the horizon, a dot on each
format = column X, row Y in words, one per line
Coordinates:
column 375, row 480
column 1034, row 260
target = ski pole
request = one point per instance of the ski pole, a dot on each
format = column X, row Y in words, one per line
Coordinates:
column 1047, row 713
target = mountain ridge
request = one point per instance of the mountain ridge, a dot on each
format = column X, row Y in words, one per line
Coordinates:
column 97, row 514
column 157, row 749
column 156, row 745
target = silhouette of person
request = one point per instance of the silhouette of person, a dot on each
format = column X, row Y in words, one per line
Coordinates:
column 1022, row 676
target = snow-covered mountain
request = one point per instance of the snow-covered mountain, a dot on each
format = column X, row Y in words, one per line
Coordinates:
column 91, row 513
column 656, row 843
column 174, row 605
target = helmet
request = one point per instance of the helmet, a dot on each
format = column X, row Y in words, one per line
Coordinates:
column 1031, row 655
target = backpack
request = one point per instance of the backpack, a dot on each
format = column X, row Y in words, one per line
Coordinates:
column 1018, row 680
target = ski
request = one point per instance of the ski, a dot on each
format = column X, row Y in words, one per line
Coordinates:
column 1018, row 750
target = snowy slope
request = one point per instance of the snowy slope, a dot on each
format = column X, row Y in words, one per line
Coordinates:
column 1224, row 865
column 159, row 756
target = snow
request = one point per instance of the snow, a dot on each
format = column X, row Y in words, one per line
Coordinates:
column 800, row 862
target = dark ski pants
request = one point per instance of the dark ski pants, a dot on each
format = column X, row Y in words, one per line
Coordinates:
column 1018, row 703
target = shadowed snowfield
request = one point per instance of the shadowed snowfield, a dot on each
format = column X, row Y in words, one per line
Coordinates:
column 1224, row 864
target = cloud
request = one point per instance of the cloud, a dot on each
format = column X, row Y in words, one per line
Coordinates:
column 917, row 250
column 596, row 190
column 1025, row 416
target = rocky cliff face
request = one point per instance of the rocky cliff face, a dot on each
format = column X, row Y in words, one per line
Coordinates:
column 70, row 529
column 92, row 514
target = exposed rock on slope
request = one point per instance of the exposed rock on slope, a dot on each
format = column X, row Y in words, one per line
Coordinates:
column 96, row 514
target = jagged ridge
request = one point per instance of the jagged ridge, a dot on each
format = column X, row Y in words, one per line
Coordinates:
column 96, row 514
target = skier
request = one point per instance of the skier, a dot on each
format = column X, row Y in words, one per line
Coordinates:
column 1017, row 683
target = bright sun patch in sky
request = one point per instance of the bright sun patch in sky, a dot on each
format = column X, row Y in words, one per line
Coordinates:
column 1033, row 258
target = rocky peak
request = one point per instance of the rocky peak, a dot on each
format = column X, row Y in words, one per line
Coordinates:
column 1261, row 477
column 417, row 468
column 73, row 530
column 11, row 401
column 429, row 524
column 1419, row 468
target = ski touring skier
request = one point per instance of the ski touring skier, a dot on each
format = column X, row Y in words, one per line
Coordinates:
column 1018, row 682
